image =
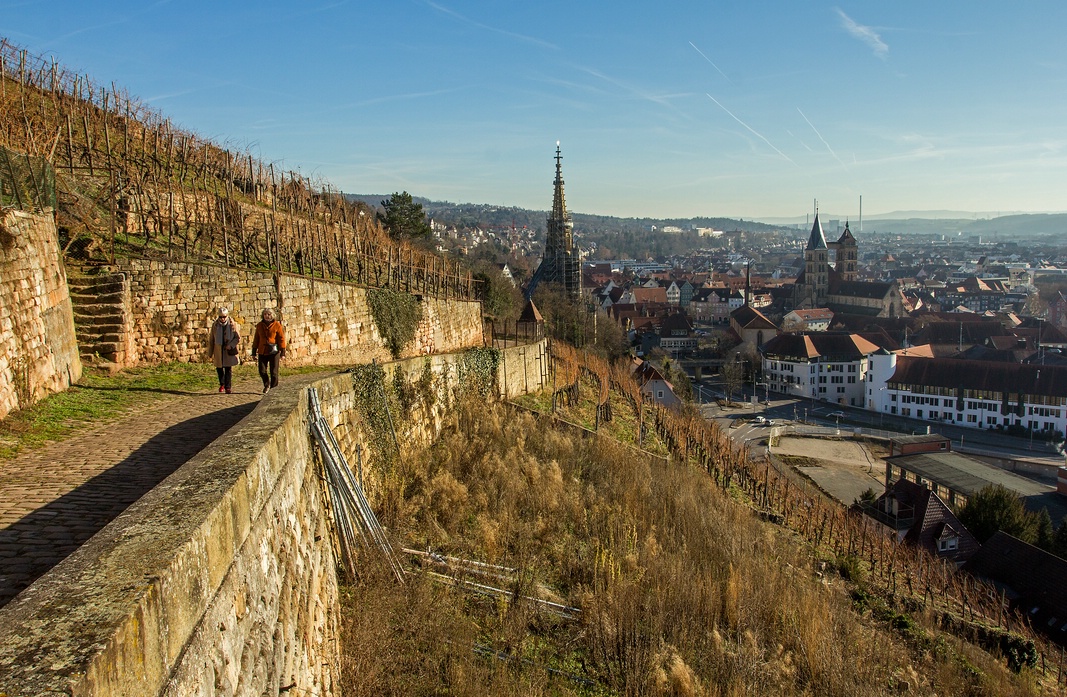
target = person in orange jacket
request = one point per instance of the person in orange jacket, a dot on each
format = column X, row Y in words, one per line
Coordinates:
column 269, row 346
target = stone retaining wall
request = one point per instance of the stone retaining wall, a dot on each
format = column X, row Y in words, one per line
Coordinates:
column 524, row 369
column 221, row 580
column 327, row 322
column 38, row 351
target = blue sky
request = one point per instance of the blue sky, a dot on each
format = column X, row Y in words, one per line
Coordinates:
column 670, row 109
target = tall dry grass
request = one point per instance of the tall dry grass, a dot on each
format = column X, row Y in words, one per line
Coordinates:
column 682, row 591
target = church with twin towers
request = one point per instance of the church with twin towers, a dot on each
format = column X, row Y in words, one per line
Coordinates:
column 838, row 286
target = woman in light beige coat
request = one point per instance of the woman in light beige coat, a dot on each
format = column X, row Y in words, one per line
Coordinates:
column 222, row 347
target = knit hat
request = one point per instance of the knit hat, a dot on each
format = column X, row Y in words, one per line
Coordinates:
column 223, row 312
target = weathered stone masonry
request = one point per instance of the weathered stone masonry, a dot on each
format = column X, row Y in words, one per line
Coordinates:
column 38, row 351
column 327, row 322
column 220, row 581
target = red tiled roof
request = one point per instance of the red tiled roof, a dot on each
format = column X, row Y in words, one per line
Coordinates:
column 747, row 317
column 818, row 313
column 650, row 295
column 829, row 344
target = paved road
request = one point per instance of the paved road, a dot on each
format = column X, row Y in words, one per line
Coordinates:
column 55, row 498
column 969, row 440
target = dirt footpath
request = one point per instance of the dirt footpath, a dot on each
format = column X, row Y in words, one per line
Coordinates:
column 843, row 468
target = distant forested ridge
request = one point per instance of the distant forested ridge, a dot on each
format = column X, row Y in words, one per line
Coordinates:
column 626, row 237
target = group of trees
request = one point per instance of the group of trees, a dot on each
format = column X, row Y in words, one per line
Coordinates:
column 997, row 508
column 579, row 322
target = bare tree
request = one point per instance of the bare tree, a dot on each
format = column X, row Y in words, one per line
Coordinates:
column 733, row 376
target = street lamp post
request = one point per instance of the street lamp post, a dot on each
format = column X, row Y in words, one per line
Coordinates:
column 1031, row 422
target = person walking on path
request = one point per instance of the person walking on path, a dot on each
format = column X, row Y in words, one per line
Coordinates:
column 222, row 347
column 269, row 346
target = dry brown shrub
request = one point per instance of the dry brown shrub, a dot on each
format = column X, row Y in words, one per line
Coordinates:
column 682, row 590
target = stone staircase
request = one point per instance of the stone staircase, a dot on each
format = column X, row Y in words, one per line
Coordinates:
column 99, row 297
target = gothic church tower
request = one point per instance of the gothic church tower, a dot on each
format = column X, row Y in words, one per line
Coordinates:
column 847, row 263
column 562, row 262
column 816, row 268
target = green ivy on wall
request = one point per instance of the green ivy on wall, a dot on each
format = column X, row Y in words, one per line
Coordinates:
column 372, row 405
column 397, row 316
column 477, row 371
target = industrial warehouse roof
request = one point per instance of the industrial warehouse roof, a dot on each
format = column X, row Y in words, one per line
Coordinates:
column 920, row 438
column 965, row 475
column 1013, row 378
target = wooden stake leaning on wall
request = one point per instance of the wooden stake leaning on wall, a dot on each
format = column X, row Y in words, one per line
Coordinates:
column 170, row 221
column 323, row 257
column 113, row 207
column 88, row 143
column 70, row 147
column 273, row 216
column 126, row 134
column 255, row 245
column 222, row 203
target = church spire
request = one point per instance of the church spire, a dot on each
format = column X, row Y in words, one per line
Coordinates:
column 817, row 240
column 562, row 262
column 847, row 235
column 559, row 202
column 560, row 228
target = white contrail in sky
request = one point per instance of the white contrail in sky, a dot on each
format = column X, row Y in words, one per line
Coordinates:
column 710, row 61
column 864, row 33
column 822, row 139
column 521, row 37
column 750, row 129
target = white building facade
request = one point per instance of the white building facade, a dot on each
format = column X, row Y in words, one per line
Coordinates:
column 1011, row 397
column 822, row 366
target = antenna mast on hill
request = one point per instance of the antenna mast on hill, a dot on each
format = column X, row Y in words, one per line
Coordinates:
column 861, row 213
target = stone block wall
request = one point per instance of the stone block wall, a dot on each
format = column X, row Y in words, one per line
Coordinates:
column 327, row 322
column 38, row 350
column 221, row 580
column 523, row 369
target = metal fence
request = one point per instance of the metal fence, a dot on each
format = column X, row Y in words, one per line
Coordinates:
column 512, row 333
column 831, row 432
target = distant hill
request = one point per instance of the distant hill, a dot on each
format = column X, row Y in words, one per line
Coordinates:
column 468, row 214
column 941, row 222
column 611, row 237
column 954, row 223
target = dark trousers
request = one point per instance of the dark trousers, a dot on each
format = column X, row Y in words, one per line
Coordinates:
column 225, row 376
column 269, row 363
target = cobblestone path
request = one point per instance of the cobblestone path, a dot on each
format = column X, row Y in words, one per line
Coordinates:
column 55, row 498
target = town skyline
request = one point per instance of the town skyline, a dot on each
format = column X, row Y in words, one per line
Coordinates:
column 677, row 111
